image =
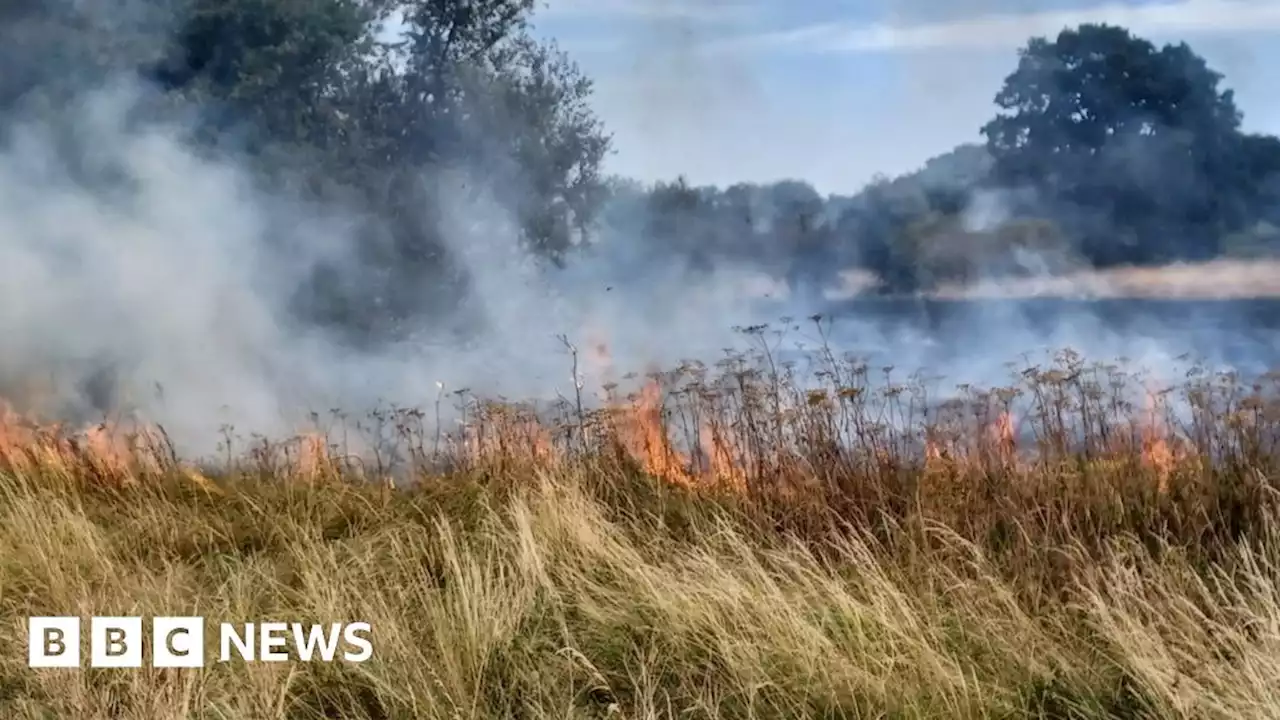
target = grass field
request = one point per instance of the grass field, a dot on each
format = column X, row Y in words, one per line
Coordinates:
column 733, row 542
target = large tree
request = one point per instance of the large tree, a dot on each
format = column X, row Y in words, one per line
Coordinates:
column 318, row 102
column 1137, row 144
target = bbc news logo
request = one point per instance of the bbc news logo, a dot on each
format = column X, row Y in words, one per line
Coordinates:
column 179, row 642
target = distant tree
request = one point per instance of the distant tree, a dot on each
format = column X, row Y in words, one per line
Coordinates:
column 1261, row 169
column 876, row 225
column 1139, row 137
column 741, row 221
column 680, row 223
column 802, row 238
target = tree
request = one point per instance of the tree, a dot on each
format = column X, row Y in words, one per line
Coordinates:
column 877, row 225
column 272, row 74
column 1128, row 138
column 316, row 102
column 803, row 239
column 1261, row 168
column 539, row 122
column 679, row 223
column 309, row 91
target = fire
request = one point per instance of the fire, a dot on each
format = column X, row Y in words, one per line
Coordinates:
column 1156, row 452
column 113, row 453
column 721, row 463
column 640, row 430
column 312, row 454
column 933, row 453
column 1003, row 431
column 1002, row 438
column 638, row 427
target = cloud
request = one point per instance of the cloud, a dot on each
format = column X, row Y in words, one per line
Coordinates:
column 1009, row 30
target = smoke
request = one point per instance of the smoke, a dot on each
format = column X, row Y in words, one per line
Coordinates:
column 136, row 272
column 139, row 272
column 1026, row 306
column 987, row 210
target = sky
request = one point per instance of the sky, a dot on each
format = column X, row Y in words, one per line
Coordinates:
column 835, row 92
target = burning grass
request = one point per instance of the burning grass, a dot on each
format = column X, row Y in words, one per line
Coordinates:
column 739, row 541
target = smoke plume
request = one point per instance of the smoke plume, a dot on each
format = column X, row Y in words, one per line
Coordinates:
column 138, row 273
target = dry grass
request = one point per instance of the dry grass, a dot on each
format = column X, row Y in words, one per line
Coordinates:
column 736, row 542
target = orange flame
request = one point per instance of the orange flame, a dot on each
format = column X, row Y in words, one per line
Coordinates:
column 1003, row 437
column 113, row 453
column 721, row 464
column 934, row 457
column 312, row 455
column 1156, row 453
column 640, row 430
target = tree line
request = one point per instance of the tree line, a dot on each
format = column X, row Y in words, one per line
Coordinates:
column 1105, row 148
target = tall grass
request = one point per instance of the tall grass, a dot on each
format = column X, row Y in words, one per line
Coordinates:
column 751, row 540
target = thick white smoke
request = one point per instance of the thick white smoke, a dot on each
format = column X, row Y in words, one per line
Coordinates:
column 131, row 265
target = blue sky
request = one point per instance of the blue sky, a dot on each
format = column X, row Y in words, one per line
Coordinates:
column 835, row 91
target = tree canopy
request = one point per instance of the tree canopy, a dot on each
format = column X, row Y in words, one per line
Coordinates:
column 1139, row 141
